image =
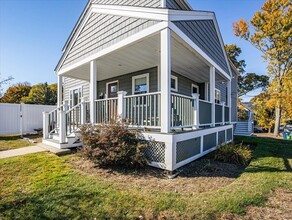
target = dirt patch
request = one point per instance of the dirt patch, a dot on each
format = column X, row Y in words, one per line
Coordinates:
column 278, row 206
column 203, row 175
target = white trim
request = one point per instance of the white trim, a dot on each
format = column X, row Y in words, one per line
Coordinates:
column 92, row 90
column 71, row 90
column 207, row 91
column 197, row 49
column 139, row 77
column 196, row 86
column 176, row 84
column 219, row 96
column 126, row 42
column 116, row 81
column 163, row 3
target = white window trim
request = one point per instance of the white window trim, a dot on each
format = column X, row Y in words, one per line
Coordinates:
column 194, row 85
column 75, row 88
column 138, row 77
column 176, row 83
column 106, row 89
column 219, row 95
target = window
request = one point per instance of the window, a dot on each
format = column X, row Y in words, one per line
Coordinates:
column 174, row 84
column 140, row 84
column 75, row 96
column 195, row 89
column 112, row 89
column 217, row 96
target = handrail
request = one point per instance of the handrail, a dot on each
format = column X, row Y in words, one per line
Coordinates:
column 183, row 96
column 221, row 105
column 74, row 107
column 100, row 100
column 143, row 94
column 201, row 100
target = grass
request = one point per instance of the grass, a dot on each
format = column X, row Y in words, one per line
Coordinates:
column 12, row 142
column 44, row 186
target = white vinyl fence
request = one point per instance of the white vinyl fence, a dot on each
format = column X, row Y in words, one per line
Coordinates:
column 22, row 118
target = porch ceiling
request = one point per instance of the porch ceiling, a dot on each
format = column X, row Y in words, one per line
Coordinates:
column 144, row 55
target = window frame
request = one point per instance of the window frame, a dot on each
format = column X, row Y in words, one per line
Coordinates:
column 71, row 90
column 194, row 85
column 218, row 101
column 139, row 77
column 176, row 83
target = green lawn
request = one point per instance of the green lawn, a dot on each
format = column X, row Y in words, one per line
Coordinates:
column 12, row 142
column 44, row 186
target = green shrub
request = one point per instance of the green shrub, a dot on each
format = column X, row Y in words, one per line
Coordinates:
column 234, row 153
column 112, row 145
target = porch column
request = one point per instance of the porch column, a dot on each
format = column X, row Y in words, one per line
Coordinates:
column 59, row 97
column 212, row 95
column 165, row 75
column 229, row 98
column 92, row 92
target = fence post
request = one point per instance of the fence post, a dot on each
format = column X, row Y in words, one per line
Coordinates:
column 63, row 122
column 196, row 110
column 121, row 106
column 83, row 111
column 45, row 125
column 223, row 113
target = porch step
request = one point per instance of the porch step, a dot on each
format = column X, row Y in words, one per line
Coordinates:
column 54, row 150
column 56, row 144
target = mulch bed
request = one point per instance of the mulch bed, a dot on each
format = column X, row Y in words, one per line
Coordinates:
column 202, row 175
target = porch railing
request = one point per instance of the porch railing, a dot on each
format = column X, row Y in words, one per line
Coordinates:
column 106, row 110
column 73, row 119
column 182, row 112
column 52, row 121
column 143, row 110
column 205, row 113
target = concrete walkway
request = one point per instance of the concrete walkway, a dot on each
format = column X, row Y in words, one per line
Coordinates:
column 33, row 149
column 21, row 151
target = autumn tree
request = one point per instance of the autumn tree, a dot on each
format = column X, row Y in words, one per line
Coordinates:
column 270, row 31
column 4, row 81
column 247, row 82
column 263, row 107
column 15, row 93
column 42, row 94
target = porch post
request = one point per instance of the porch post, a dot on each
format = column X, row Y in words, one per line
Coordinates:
column 212, row 95
column 165, row 67
column 60, row 91
column 229, row 98
column 223, row 113
column 92, row 93
column 63, row 124
column 121, row 105
column 59, row 97
column 196, row 110
column 83, row 111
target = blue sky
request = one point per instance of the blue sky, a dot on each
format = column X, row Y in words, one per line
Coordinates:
column 33, row 32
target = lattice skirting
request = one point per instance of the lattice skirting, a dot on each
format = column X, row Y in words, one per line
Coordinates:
column 155, row 151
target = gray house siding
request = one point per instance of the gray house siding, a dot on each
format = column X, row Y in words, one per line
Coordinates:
column 70, row 83
column 223, row 89
column 102, row 31
column 234, row 94
column 203, row 34
column 184, row 84
column 125, row 82
column 142, row 3
column 171, row 4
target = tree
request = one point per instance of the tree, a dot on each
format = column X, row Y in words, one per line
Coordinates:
column 247, row 82
column 271, row 33
column 263, row 107
column 15, row 93
column 4, row 81
column 42, row 94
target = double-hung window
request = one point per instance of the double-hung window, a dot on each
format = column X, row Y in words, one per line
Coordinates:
column 140, row 84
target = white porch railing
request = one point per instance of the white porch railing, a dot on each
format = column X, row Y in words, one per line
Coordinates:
column 182, row 111
column 143, row 110
column 106, row 110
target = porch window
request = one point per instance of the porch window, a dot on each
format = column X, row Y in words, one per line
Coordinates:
column 195, row 89
column 174, row 83
column 140, row 84
column 217, row 96
column 75, row 96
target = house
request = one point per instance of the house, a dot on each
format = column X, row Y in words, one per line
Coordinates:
column 160, row 64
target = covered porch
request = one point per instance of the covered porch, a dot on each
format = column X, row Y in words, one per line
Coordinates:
column 158, row 83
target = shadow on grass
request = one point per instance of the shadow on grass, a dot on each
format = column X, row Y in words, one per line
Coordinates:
column 10, row 138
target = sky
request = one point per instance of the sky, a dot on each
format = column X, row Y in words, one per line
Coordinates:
column 33, row 33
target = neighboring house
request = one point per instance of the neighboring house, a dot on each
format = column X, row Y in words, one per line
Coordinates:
column 156, row 62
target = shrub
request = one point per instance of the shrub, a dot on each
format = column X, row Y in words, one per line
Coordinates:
column 112, row 145
column 234, row 153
